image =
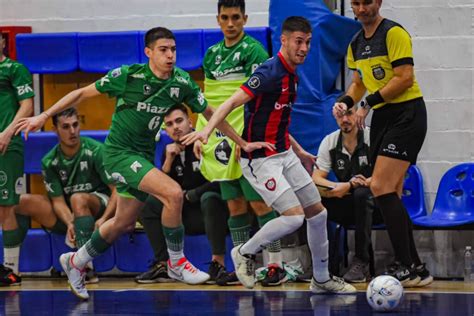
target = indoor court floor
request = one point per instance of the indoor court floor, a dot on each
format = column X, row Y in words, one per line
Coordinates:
column 122, row 296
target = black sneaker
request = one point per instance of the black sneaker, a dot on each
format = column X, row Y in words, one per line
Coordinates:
column 7, row 277
column 407, row 276
column 425, row 277
column 227, row 278
column 358, row 272
column 215, row 270
column 158, row 273
column 275, row 276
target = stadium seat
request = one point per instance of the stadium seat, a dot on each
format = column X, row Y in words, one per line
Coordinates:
column 413, row 196
column 103, row 263
column 48, row 53
column 198, row 251
column 38, row 144
column 103, row 51
column 35, row 253
column 212, row 36
column 188, row 49
column 133, row 252
column 454, row 204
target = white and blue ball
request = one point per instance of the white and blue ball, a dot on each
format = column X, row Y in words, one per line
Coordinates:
column 384, row 293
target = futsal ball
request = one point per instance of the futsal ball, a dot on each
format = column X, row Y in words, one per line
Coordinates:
column 384, row 293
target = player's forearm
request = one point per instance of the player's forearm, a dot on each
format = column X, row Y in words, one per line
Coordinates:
column 63, row 212
column 111, row 206
column 230, row 132
column 25, row 110
column 356, row 91
column 396, row 86
column 296, row 146
column 166, row 167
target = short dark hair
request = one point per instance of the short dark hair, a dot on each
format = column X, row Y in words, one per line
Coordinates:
column 66, row 113
column 296, row 24
column 231, row 4
column 156, row 33
column 180, row 107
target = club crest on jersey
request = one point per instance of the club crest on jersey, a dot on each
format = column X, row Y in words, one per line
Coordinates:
column 84, row 165
column 271, row 184
column 254, row 82
column 174, row 92
column 236, row 56
column 136, row 166
column 222, row 152
column 378, row 72
column 146, row 89
column 3, row 178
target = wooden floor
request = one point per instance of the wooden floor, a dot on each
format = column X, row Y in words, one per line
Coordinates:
column 108, row 283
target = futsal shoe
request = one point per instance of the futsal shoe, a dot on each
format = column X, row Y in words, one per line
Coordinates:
column 425, row 277
column 185, row 272
column 275, row 276
column 334, row 285
column 8, row 277
column 244, row 267
column 76, row 277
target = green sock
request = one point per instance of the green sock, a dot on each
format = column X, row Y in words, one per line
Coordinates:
column 262, row 220
column 239, row 227
column 96, row 245
column 83, row 227
column 174, row 238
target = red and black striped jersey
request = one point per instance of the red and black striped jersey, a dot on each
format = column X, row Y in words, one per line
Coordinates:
column 273, row 88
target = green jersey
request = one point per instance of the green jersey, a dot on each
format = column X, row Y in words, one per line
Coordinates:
column 15, row 86
column 82, row 173
column 225, row 69
column 142, row 101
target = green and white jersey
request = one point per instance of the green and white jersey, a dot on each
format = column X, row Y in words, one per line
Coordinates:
column 142, row 101
column 15, row 86
column 82, row 173
column 225, row 70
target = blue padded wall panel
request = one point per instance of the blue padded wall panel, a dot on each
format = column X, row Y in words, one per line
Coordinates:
column 38, row 145
column 133, row 252
column 188, row 49
column 104, row 262
column 103, row 51
column 212, row 36
column 35, row 252
column 45, row 53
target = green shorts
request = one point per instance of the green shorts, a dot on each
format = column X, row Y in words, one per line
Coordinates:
column 11, row 177
column 230, row 190
column 127, row 170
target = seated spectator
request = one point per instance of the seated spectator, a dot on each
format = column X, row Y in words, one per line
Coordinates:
column 81, row 196
column 349, row 200
column 203, row 209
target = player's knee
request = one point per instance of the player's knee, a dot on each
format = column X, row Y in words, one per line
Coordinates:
column 79, row 204
column 293, row 221
column 260, row 208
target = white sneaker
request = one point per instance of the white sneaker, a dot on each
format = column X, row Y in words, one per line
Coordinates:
column 75, row 276
column 185, row 272
column 334, row 285
column 244, row 267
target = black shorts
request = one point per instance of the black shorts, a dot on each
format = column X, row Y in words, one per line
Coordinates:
column 398, row 130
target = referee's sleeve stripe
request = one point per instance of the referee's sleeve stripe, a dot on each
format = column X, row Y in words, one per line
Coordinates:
column 402, row 61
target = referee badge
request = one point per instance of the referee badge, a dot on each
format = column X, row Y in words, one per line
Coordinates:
column 378, row 72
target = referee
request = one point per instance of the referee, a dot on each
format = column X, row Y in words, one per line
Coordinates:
column 381, row 55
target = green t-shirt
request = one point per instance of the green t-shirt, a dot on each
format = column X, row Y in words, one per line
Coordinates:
column 82, row 173
column 142, row 101
column 16, row 84
column 225, row 69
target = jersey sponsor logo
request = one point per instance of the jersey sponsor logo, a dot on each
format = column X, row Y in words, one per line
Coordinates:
column 392, row 149
column 281, row 106
column 117, row 177
column 181, row 80
column 254, row 82
column 103, row 81
column 147, row 107
column 236, row 56
column 4, row 194
column 219, row 134
column 378, row 72
column 138, row 76
column 3, row 178
column 21, row 90
column 19, row 185
column 367, row 51
column 270, row 184
column 245, row 45
column 146, row 89
column 54, row 162
column 340, row 164
column 84, row 165
column 154, row 123
column 223, row 152
column 220, row 74
column 63, row 175
column 136, row 166
column 88, row 152
column 174, row 92
column 254, row 67
column 80, row 187
column 116, row 72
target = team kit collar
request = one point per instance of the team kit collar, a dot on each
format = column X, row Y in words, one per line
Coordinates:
column 285, row 64
column 150, row 75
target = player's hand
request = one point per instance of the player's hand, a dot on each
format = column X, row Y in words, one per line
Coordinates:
column 71, row 235
column 238, row 152
column 339, row 109
column 99, row 223
column 197, row 149
column 30, row 124
column 173, row 149
column 358, row 181
column 5, row 138
column 341, row 189
column 361, row 114
column 308, row 160
column 249, row 147
column 190, row 138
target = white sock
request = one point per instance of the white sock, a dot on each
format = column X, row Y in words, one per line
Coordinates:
column 11, row 257
column 319, row 245
column 81, row 258
column 175, row 256
column 271, row 231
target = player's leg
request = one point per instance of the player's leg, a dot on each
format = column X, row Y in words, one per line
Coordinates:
column 84, row 207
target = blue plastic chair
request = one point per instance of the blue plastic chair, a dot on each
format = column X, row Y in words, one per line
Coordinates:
column 102, row 51
column 161, row 147
column 413, row 194
column 188, row 48
column 454, row 204
column 212, row 36
column 48, row 53
column 133, row 252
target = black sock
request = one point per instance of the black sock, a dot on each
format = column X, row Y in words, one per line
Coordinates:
column 397, row 222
